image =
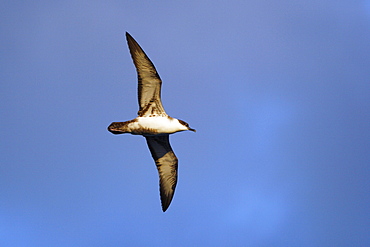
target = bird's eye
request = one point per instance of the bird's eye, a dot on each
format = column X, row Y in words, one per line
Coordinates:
column 183, row 123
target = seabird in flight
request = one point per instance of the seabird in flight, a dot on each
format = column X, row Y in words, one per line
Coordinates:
column 153, row 123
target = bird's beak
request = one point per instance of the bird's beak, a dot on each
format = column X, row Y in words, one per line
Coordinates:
column 192, row 130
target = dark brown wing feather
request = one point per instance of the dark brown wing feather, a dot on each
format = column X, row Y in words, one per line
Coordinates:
column 149, row 82
column 167, row 164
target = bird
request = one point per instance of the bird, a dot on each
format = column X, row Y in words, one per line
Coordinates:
column 153, row 122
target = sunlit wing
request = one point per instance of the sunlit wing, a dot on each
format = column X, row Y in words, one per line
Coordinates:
column 149, row 82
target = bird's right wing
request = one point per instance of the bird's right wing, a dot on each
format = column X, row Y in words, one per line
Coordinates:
column 167, row 164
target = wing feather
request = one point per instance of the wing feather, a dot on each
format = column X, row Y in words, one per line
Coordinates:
column 167, row 165
column 149, row 82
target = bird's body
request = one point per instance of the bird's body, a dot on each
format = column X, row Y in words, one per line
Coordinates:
column 148, row 126
column 152, row 122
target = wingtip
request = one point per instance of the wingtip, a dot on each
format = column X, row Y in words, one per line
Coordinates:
column 164, row 208
column 166, row 200
column 165, row 203
column 128, row 36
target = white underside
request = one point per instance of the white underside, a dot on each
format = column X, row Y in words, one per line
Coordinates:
column 163, row 125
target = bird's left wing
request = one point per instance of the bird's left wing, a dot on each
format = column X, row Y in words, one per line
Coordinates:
column 149, row 82
column 167, row 164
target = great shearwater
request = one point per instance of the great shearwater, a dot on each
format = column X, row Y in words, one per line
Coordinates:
column 152, row 122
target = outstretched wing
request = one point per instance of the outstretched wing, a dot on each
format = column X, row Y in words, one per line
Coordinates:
column 149, row 82
column 167, row 164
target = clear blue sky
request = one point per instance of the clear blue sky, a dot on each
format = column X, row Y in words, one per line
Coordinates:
column 279, row 92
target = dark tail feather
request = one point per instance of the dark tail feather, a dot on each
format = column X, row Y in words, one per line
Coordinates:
column 118, row 128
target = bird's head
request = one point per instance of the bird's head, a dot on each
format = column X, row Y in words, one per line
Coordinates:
column 185, row 125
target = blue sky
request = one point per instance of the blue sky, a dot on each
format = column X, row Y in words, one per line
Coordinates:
column 277, row 90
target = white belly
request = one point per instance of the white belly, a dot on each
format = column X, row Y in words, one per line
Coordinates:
column 154, row 125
